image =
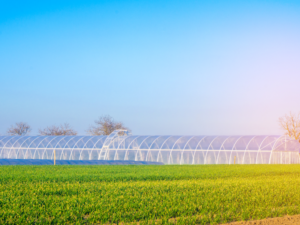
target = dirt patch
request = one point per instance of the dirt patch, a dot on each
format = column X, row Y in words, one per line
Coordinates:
column 286, row 220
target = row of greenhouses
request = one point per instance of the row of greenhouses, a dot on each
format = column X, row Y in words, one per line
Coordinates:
column 165, row 149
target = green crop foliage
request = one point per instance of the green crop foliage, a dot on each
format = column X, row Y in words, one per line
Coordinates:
column 200, row 194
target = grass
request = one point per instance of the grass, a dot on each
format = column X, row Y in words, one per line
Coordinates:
column 147, row 194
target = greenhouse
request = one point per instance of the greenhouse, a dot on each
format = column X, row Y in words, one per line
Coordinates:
column 165, row 149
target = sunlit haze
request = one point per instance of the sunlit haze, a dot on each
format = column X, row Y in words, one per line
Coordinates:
column 160, row 67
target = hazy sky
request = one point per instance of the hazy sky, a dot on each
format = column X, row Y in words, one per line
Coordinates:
column 161, row 67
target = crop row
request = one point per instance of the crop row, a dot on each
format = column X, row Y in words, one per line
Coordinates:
column 37, row 195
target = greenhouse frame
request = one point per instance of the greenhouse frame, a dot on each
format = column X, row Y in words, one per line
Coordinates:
column 166, row 149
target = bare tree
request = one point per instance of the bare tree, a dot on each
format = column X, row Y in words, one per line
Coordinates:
column 63, row 129
column 19, row 129
column 291, row 124
column 105, row 125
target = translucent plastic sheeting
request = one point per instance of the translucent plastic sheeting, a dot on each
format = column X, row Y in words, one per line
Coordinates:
column 165, row 149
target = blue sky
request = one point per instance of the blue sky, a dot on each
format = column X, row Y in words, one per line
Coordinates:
column 161, row 67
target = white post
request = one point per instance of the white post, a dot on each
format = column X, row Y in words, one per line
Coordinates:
column 54, row 157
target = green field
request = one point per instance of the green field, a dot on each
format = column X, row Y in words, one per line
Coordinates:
column 147, row 194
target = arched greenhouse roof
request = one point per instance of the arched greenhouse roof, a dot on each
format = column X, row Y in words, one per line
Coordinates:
column 166, row 149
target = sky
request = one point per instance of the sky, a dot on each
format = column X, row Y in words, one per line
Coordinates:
column 161, row 67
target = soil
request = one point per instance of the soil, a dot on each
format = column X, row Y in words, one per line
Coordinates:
column 286, row 220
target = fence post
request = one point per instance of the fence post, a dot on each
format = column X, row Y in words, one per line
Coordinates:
column 234, row 159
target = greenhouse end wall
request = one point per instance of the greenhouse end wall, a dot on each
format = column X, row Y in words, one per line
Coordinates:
column 166, row 149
